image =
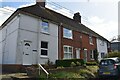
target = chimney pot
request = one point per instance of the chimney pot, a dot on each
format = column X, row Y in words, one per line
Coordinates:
column 77, row 17
column 41, row 2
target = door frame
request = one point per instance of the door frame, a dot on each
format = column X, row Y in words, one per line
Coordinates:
column 77, row 53
column 30, row 42
column 85, row 55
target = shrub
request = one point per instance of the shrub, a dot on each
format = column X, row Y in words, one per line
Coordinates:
column 91, row 63
column 78, row 63
column 67, row 62
column 72, row 64
column 61, row 67
column 113, row 54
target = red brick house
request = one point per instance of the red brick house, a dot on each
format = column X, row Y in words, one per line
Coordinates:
column 76, row 43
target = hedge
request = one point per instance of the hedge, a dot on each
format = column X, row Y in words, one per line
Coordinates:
column 67, row 62
column 91, row 63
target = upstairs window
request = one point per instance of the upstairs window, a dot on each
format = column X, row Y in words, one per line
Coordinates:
column 45, row 27
column 67, row 33
column 44, row 48
column 101, row 42
column 90, row 39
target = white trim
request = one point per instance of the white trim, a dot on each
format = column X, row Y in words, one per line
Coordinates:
column 42, row 30
column 66, row 36
column 45, row 56
column 70, row 53
column 92, row 58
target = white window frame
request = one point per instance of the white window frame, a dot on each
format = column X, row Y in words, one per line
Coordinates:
column 42, row 27
column 92, row 54
column 44, row 49
column 90, row 39
column 68, row 52
column 102, row 42
column 102, row 56
column 64, row 35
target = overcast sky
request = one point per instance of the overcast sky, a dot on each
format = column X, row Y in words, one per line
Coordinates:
column 99, row 15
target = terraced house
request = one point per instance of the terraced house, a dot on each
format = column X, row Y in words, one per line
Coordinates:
column 34, row 34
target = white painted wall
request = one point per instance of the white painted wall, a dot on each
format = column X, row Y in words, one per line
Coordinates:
column 30, row 29
column 9, row 41
column 0, row 46
column 22, row 28
column 101, row 48
column 52, row 39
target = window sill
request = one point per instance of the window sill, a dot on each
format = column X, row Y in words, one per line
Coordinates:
column 68, row 38
column 45, row 33
column 91, row 59
column 43, row 56
column 91, row 44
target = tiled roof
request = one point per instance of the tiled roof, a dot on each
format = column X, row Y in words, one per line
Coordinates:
column 46, row 13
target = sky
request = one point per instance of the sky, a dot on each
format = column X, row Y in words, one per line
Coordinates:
column 99, row 15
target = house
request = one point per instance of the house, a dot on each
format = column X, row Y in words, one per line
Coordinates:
column 115, row 46
column 102, row 48
column 0, row 47
column 35, row 34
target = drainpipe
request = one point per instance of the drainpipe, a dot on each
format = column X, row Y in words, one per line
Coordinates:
column 38, row 40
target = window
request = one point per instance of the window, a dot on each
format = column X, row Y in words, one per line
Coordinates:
column 91, row 54
column 45, row 27
column 101, row 42
column 107, row 62
column 90, row 39
column 68, row 51
column 44, row 48
column 102, row 55
column 67, row 33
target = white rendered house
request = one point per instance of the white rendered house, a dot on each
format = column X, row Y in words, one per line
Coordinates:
column 27, row 40
column 102, row 48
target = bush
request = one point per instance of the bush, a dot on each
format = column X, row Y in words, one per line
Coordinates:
column 67, row 62
column 113, row 54
column 78, row 63
column 91, row 63
column 72, row 64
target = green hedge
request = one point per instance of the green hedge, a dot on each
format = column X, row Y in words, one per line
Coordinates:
column 91, row 63
column 67, row 62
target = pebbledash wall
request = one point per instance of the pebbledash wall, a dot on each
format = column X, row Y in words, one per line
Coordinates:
column 24, row 28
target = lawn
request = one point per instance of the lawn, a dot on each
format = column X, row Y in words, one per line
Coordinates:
column 84, row 73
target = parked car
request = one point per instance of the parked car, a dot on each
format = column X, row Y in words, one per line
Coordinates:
column 109, row 67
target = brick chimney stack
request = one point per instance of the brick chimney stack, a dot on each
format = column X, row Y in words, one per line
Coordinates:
column 77, row 17
column 41, row 2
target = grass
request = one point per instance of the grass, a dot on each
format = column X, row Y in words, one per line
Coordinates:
column 83, row 74
column 65, row 74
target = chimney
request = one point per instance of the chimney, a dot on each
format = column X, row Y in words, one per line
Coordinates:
column 77, row 17
column 41, row 2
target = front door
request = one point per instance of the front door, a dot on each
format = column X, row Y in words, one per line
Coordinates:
column 27, row 53
column 78, row 53
column 85, row 55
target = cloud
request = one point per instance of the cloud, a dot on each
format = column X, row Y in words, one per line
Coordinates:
column 9, row 9
column 26, row 5
column 96, row 20
column 6, row 11
column 107, row 29
column 60, row 10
